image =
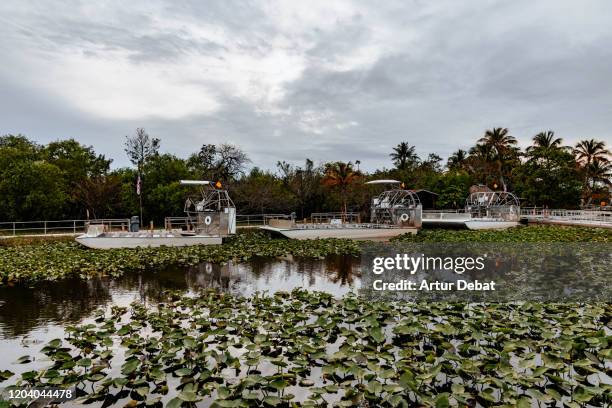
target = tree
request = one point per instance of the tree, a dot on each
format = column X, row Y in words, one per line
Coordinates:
column 502, row 145
column 432, row 163
column 481, row 164
column 304, row 183
column 587, row 151
column 404, row 156
column 140, row 148
column 341, row 176
column 600, row 171
column 30, row 187
column 457, row 160
column 100, row 195
column 591, row 155
column 225, row 162
column 545, row 140
column 165, row 195
column 77, row 164
column 76, row 160
column 231, row 161
column 453, row 187
column 32, row 190
column 549, row 178
column 260, row 192
column 204, row 162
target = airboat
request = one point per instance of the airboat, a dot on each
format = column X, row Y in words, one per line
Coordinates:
column 483, row 210
column 210, row 216
column 393, row 212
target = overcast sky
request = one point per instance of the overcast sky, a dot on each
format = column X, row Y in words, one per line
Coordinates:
column 328, row 80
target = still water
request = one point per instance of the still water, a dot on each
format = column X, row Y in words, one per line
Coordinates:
column 31, row 316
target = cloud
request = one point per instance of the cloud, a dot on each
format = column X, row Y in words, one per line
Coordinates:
column 342, row 80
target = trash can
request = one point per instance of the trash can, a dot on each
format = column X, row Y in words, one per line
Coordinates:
column 134, row 223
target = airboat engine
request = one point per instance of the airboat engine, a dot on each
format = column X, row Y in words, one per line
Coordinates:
column 213, row 213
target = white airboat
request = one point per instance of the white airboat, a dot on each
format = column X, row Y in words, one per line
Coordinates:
column 211, row 216
column 394, row 212
column 483, row 210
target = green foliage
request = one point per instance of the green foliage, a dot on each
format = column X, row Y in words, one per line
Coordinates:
column 262, row 192
column 65, row 179
column 77, row 162
column 308, row 349
column 32, row 190
column 453, row 187
column 549, row 177
column 164, row 195
column 59, row 259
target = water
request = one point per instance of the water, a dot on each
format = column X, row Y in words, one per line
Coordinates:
column 32, row 316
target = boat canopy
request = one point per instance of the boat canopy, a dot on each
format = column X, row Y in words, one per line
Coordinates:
column 388, row 181
column 195, row 182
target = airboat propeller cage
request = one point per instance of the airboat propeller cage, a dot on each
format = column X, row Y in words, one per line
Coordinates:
column 396, row 207
column 493, row 204
column 211, row 213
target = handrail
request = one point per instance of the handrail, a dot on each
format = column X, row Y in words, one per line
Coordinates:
column 50, row 227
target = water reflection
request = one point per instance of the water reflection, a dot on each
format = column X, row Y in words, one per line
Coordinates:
column 23, row 309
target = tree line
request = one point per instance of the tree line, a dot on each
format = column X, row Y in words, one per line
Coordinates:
column 67, row 180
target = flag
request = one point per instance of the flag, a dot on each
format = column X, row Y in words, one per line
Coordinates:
column 138, row 185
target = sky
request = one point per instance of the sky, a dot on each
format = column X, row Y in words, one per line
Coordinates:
column 287, row 80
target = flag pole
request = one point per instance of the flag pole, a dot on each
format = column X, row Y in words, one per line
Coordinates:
column 139, row 192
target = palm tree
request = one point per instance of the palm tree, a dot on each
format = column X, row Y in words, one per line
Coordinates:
column 457, row 160
column 481, row 162
column 600, row 170
column 545, row 144
column 545, row 140
column 587, row 151
column 502, row 144
column 341, row 176
column 591, row 156
column 499, row 139
column 404, row 155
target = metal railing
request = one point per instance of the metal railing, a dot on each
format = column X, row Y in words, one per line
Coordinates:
column 56, row 227
column 326, row 217
column 171, row 223
column 242, row 220
column 248, row 220
column 74, row 227
column 560, row 215
column 445, row 215
column 452, row 211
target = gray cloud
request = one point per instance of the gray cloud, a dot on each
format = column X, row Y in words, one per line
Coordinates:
column 330, row 81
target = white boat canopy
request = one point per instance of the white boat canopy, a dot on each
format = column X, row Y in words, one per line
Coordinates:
column 389, row 181
column 195, row 182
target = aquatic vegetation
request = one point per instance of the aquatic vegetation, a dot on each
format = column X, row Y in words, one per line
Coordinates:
column 304, row 349
column 61, row 259
column 531, row 233
column 30, row 261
